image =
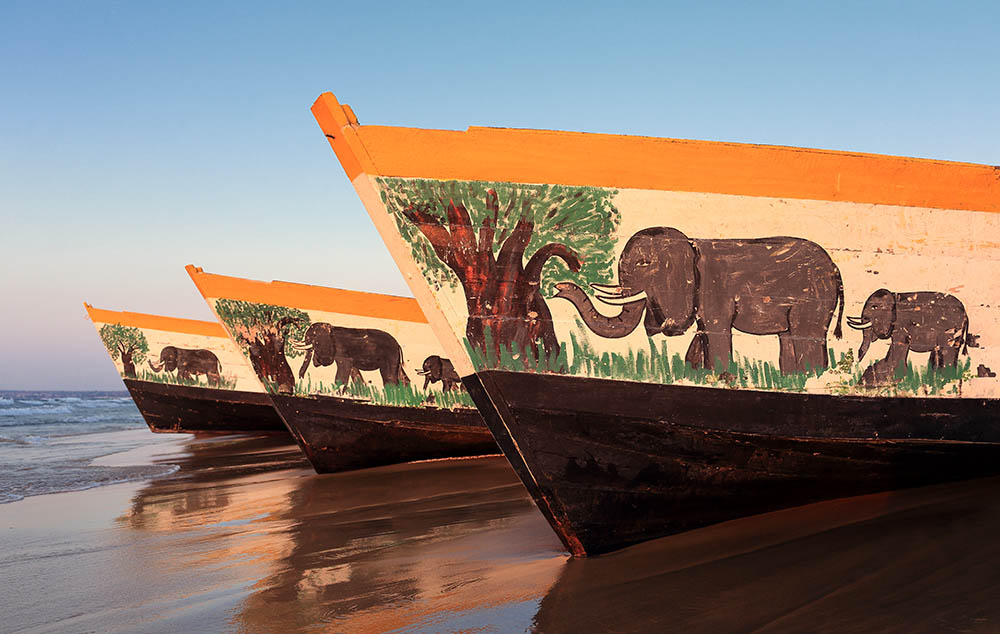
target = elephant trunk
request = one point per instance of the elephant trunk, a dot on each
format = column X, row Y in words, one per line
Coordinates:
column 154, row 366
column 611, row 327
column 864, row 324
column 305, row 364
column 865, row 342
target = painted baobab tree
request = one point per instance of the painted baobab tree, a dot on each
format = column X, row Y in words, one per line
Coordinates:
column 127, row 343
column 267, row 333
column 506, row 245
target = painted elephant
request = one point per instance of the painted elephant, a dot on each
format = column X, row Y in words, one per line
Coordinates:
column 353, row 349
column 189, row 364
column 766, row 286
column 923, row 321
column 437, row 369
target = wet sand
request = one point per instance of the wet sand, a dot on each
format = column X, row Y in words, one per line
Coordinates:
column 244, row 537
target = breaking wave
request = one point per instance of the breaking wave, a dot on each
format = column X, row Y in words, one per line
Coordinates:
column 42, row 410
column 48, row 441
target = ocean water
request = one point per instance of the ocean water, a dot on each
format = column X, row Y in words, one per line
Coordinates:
column 52, row 441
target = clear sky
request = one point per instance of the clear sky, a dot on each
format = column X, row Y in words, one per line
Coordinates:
column 137, row 137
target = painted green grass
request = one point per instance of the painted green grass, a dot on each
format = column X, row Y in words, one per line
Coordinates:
column 920, row 379
column 173, row 379
column 396, row 395
column 657, row 365
column 928, row 380
column 509, row 359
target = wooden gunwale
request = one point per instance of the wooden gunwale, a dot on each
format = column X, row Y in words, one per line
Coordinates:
column 618, row 161
column 157, row 322
column 307, row 296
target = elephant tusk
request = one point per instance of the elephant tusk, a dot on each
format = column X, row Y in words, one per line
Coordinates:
column 621, row 301
column 607, row 289
column 859, row 324
column 422, row 373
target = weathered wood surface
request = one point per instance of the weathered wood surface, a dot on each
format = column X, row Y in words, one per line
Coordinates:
column 179, row 409
column 341, row 434
column 611, row 463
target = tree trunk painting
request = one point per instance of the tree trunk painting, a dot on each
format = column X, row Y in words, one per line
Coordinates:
column 483, row 234
column 502, row 293
column 127, row 364
column 267, row 355
column 126, row 343
column 267, row 334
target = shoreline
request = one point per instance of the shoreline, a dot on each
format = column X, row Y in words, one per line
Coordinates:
column 61, row 462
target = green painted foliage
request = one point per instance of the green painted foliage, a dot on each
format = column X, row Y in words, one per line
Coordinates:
column 581, row 218
column 249, row 321
column 118, row 338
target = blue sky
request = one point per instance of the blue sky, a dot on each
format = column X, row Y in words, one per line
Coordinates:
column 138, row 137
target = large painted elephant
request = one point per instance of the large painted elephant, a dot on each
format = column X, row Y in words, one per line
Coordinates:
column 353, row 349
column 924, row 321
column 189, row 364
column 766, row 286
column 437, row 369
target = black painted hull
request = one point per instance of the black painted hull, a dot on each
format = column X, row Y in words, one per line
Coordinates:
column 340, row 434
column 185, row 409
column 613, row 463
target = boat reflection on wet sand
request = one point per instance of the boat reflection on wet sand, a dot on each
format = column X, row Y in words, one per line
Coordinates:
column 455, row 545
column 245, row 537
column 438, row 545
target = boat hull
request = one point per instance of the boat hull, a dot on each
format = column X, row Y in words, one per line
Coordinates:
column 171, row 408
column 339, row 434
column 613, row 463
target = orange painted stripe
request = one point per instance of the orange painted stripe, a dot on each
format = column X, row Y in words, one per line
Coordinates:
column 307, row 297
column 606, row 160
column 157, row 322
column 340, row 127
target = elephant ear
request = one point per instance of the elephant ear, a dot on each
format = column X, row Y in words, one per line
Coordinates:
column 887, row 299
column 663, row 260
column 324, row 345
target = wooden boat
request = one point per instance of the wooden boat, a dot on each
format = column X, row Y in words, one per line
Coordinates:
column 536, row 254
column 184, row 375
column 355, row 398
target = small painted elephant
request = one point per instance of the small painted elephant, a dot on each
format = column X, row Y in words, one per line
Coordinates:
column 763, row 286
column 924, row 321
column 189, row 364
column 353, row 349
column 437, row 369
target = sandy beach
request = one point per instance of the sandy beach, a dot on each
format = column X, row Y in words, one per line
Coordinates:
column 244, row 537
